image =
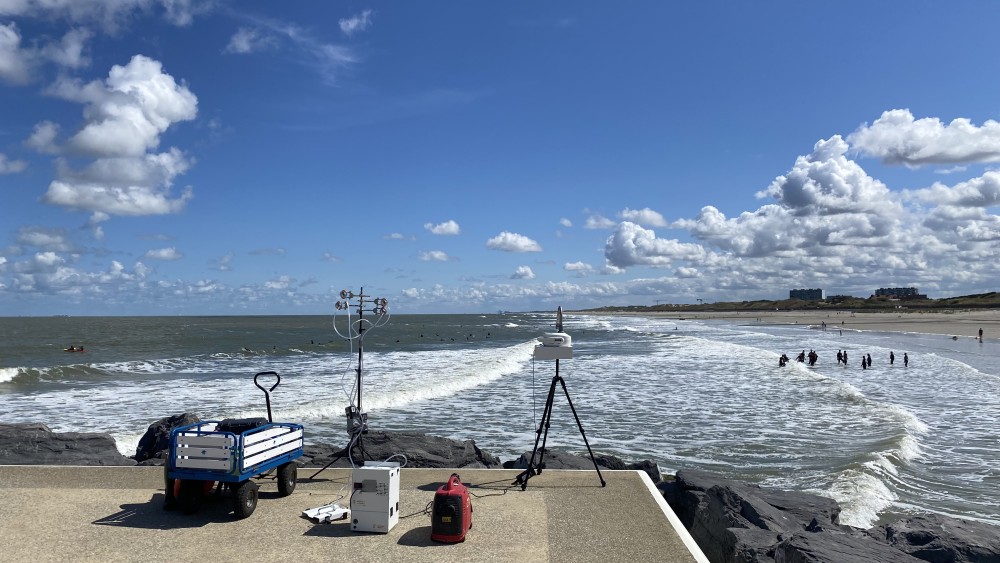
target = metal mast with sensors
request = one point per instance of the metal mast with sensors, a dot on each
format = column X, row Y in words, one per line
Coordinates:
column 357, row 418
column 554, row 346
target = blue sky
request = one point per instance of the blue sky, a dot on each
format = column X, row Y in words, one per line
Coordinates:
column 221, row 157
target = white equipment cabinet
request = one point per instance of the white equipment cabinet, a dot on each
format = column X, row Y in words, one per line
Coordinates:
column 375, row 497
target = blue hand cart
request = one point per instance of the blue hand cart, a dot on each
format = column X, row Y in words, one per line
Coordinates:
column 232, row 452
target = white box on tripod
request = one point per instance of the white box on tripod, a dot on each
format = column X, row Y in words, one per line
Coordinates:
column 375, row 497
column 553, row 352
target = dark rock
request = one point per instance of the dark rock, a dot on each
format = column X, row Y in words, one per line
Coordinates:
column 797, row 506
column 156, row 441
column 36, row 444
column 420, row 450
column 649, row 467
column 751, row 545
column 153, row 461
column 805, row 547
column 940, row 539
column 734, row 522
column 554, row 459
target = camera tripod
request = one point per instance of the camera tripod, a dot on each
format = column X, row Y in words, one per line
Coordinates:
column 543, row 433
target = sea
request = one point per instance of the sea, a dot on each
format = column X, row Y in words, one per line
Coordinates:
column 884, row 442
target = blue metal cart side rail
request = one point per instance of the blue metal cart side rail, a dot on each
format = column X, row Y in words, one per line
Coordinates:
column 199, row 452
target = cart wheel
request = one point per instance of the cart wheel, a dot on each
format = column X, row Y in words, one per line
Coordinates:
column 190, row 496
column 287, row 475
column 245, row 499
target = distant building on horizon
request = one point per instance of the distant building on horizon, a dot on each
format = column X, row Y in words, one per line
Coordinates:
column 807, row 294
column 899, row 293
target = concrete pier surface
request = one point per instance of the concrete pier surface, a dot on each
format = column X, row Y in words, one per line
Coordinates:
column 60, row 513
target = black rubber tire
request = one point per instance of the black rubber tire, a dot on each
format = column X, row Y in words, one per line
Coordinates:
column 287, row 475
column 190, row 496
column 245, row 499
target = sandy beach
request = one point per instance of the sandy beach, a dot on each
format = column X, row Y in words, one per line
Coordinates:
column 963, row 324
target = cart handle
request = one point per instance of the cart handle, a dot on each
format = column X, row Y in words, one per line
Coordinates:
column 267, row 392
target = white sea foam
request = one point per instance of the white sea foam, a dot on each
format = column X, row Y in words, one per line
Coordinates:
column 862, row 497
column 8, row 374
column 397, row 379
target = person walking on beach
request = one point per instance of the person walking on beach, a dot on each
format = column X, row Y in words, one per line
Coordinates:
column 845, row 358
column 864, row 363
column 892, row 357
column 980, row 335
column 869, row 360
column 906, row 360
column 840, row 357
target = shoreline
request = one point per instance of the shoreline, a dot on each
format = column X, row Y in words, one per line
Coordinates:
column 962, row 324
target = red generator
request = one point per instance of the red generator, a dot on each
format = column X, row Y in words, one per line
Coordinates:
column 451, row 516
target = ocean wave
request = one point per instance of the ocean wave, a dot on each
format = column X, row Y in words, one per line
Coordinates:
column 8, row 375
column 862, row 496
column 400, row 379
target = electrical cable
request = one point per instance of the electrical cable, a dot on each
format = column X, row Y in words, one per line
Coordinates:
column 402, row 465
column 426, row 510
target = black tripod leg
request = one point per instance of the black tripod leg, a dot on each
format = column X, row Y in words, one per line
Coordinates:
column 543, row 427
column 547, row 419
column 327, row 466
column 580, row 426
column 350, row 447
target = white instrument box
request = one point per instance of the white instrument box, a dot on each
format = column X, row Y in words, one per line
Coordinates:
column 375, row 497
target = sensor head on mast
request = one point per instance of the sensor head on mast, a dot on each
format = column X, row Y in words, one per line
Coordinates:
column 555, row 345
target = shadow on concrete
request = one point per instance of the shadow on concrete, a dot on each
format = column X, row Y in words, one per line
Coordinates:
column 151, row 515
column 338, row 529
column 418, row 537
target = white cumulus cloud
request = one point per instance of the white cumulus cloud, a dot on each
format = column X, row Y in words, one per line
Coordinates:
column 125, row 116
column 15, row 62
column 523, row 273
column 43, row 139
column 45, row 238
column 109, row 14
column 8, row 166
column 598, row 221
column 898, row 138
column 70, row 52
column 513, row 242
column 447, row 228
column 645, row 216
column 434, row 256
column 123, row 186
column 632, row 245
column 169, row 253
column 127, row 113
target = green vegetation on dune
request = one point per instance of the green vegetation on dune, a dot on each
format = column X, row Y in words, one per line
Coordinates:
column 979, row 301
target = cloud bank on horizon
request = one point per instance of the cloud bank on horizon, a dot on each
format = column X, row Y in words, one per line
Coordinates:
column 122, row 204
